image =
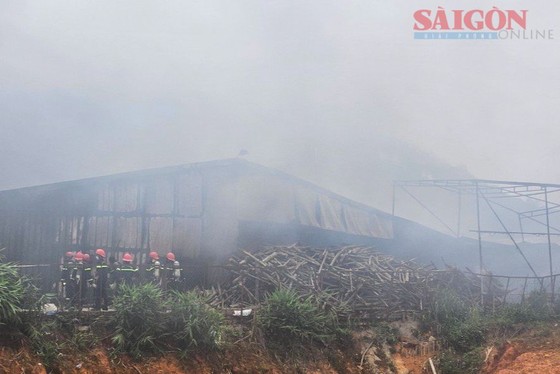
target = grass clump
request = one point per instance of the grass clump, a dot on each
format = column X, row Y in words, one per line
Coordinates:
column 385, row 334
column 536, row 308
column 192, row 323
column 138, row 319
column 465, row 336
column 43, row 334
column 13, row 288
column 449, row 307
column 452, row 363
column 146, row 319
column 461, row 324
column 462, row 329
column 287, row 319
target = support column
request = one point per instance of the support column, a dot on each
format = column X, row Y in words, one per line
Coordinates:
column 549, row 243
column 479, row 245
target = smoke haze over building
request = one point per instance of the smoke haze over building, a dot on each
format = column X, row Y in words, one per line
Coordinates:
column 338, row 93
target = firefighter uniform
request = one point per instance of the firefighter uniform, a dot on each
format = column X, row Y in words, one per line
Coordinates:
column 101, row 281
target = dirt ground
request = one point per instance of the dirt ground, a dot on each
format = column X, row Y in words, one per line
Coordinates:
column 245, row 358
column 534, row 351
column 406, row 364
column 539, row 361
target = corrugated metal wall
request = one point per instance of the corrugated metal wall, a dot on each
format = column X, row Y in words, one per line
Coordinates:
column 192, row 211
column 138, row 215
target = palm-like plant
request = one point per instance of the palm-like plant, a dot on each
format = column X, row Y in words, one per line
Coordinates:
column 192, row 322
column 138, row 319
column 289, row 319
column 12, row 291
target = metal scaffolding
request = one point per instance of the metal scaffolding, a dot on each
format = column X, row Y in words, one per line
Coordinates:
column 497, row 196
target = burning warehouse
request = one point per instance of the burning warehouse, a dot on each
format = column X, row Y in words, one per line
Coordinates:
column 202, row 212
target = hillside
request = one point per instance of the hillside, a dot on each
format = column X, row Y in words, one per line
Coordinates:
column 533, row 350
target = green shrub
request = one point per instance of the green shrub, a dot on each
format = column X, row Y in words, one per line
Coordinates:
column 539, row 302
column 385, row 334
column 465, row 335
column 82, row 340
column 138, row 319
column 448, row 306
column 534, row 309
column 42, row 333
column 468, row 363
column 287, row 319
column 192, row 322
column 512, row 314
column 460, row 323
column 12, row 292
column 52, row 336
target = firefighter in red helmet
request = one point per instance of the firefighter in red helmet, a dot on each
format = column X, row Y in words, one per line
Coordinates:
column 171, row 273
column 66, row 288
column 126, row 273
column 87, row 279
column 78, row 279
column 152, row 271
column 101, row 280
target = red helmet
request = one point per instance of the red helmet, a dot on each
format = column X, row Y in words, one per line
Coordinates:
column 69, row 254
column 100, row 252
column 79, row 256
column 154, row 255
column 86, row 257
column 127, row 257
column 170, row 256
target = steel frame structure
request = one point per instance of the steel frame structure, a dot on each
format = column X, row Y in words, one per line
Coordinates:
column 493, row 193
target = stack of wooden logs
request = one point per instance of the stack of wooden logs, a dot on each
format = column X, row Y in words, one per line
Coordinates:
column 358, row 278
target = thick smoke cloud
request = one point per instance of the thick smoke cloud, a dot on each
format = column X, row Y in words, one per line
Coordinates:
column 337, row 92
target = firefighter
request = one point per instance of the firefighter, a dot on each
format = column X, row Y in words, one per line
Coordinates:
column 126, row 273
column 153, row 268
column 101, row 280
column 86, row 279
column 77, row 278
column 66, row 285
column 113, row 266
column 172, row 273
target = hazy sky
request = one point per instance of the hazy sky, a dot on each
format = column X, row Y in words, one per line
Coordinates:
column 95, row 87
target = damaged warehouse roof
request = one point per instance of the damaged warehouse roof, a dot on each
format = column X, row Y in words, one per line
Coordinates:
column 203, row 210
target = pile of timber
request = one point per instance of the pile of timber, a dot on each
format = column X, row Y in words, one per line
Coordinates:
column 356, row 280
column 467, row 285
column 360, row 279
